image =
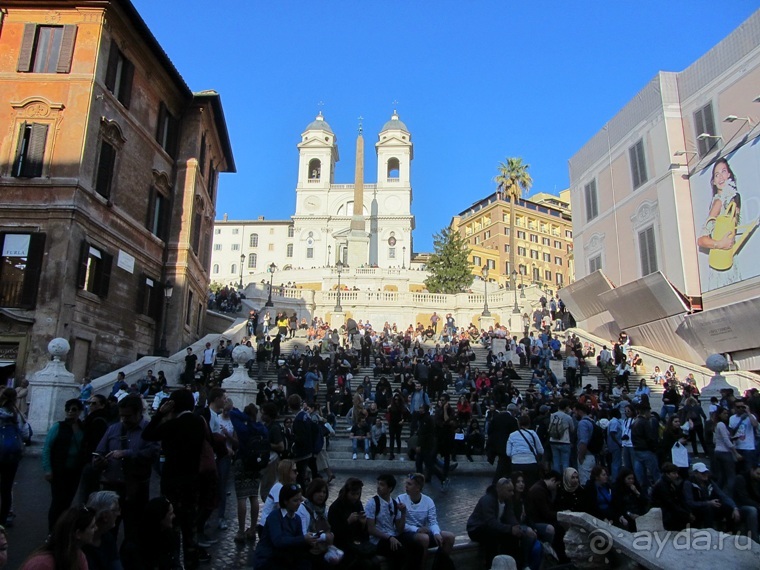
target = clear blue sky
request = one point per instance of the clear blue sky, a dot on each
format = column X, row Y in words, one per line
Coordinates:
column 475, row 80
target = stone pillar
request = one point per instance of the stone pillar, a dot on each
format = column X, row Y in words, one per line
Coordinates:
column 240, row 387
column 50, row 388
column 486, row 322
column 717, row 363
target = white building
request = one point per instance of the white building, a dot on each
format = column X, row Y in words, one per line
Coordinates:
column 317, row 234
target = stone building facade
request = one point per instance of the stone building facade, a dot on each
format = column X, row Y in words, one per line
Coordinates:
column 108, row 176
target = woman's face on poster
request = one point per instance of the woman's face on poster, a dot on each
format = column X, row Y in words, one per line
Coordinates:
column 721, row 175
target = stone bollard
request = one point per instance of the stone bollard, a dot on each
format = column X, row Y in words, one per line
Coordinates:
column 503, row 562
column 717, row 363
column 240, row 388
column 50, row 388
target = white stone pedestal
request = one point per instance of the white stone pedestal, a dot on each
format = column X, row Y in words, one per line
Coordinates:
column 499, row 345
column 558, row 370
column 717, row 363
column 487, row 322
column 50, row 388
column 240, row 388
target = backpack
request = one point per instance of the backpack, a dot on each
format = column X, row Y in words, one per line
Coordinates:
column 557, row 428
column 254, row 451
column 377, row 508
column 10, row 440
column 596, row 442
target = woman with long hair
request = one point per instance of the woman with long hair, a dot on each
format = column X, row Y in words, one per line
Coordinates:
column 63, row 549
column 628, row 500
column 725, row 455
column 13, row 432
column 287, row 473
column 315, row 504
column 598, row 491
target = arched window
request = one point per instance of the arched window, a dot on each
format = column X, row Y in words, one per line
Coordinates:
column 252, row 261
column 233, row 269
column 315, row 169
column 393, row 170
column 216, row 268
column 254, row 240
column 291, row 231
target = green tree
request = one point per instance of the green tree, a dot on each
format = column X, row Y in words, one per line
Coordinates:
column 449, row 266
column 513, row 179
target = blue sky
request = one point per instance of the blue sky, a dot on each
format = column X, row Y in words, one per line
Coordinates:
column 475, row 81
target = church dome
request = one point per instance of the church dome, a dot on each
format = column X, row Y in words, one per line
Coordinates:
column 319, row 124
column 394, row 124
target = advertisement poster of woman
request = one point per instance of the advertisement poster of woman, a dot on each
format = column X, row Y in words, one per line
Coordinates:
column 726, row 202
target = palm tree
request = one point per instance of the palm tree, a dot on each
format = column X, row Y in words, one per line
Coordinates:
column 513, row 179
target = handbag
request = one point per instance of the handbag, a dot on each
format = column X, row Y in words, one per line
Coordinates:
column 679, row 455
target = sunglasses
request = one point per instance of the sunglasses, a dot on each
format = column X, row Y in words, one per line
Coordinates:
column 294, row 487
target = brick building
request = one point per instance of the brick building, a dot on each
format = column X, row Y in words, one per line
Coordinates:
column 108, row 176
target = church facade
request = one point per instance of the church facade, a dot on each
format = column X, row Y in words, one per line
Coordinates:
column 357, row 224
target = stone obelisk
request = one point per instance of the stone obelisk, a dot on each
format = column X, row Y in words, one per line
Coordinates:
column 358, row 239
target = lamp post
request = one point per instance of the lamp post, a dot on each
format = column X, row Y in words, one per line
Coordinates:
column 168, row 290
column 403, row 257
column 242, row 261
column 271, row 269
column 339, row 269
column 516, row 310
column 522, row 287
column 486, row 312
column 329, row 254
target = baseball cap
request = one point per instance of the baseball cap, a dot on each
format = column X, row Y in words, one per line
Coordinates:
column 700, row 468
column 513, row 408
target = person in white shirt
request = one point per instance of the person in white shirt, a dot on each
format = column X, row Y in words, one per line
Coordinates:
column 421, row 519
column 386, row 519
column 605, row 356
column 524, row 448
column 162, row 394
column 209, row 358
column 742, row 426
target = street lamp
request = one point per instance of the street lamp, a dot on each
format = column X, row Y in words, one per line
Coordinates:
column 522, row 287
column 403, row 257
column 486, row 312
column 168, row 290
column 516, row 310
column 271, row 269
column 339, row 269
column 242, row 261
column 329, row 253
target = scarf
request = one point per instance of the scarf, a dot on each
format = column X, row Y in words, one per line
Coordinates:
column 567, row 482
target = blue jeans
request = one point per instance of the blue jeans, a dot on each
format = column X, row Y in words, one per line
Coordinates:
column 628, row 459
column 646, row 462
column 667, row 410
column 560, row 456
column 615, row 462
column 355, row 443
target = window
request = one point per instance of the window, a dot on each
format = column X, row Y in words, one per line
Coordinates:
column 119, row 75
column 315, row 169
column 592, row 207
column 393, row 170
column 20, row 269
column 557, row 244
column 309, row 253
column 166, row 133
column 217, row 231
column 271, row 232
column 476, row 240
column 522, row 269
column 189, row 308
column 289, row 250
column 491, row 263
column 291, row 231
column 30, row 151
column 557, row 261
column 521, row 251
column 47, row 49
column 638, row 164
column 195, row 230
column 558, row 278
column 217, row 247
column 235, row 247
column 547, row 257
column 487, row 234
column 233, row 268
column 254, row 241
column 506, row 231
column 252, row 258
column 595, row 263
column 506, row 269
column 704, row 122
column 506, row 248
column 391, row 253
column 158, row 214
column 150, row 295
column 547, row 275
column 569, row 234
column 534, row 238
column 476, row 261
column 533, row 254
column 520, row 234
column 198, row 317
column 647, row 251
column 536, row 274
column 106, row 164
column 270, row 247
column 216, row 268
column 211, row 179
column 546, row 241
column 94, row 273
column 235, row 231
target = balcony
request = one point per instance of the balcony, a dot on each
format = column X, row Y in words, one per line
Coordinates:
column 392, row 180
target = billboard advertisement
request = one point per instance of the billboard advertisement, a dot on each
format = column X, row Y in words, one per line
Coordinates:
column 726, row 205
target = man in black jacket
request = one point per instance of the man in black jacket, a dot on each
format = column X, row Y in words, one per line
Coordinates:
column 499, row 431
column 747, row 497
column 495, row 527
column 667, row 494
column 645, row 438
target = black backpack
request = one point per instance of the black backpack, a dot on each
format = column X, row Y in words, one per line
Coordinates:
column 254, row 451
column 596, row 442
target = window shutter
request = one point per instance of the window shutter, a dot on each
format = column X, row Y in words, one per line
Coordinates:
column 27, row 47
column 171, row 139
column 161, row 123
column 105, row 170
column 84, row 251
column 33, row 270
column 113, row 64
column 36, row 153
column 125, row 91
column 67, row 49
column 156, row 300
column 20, row 154
column 105, row 275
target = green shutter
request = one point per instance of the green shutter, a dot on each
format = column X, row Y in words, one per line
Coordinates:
column 35, row 154
column 20, row 158
column 33, row 271
column 66, row 54
column 27, row 47
column 105, row 170
column 105, row 275
column 84, row 251
column 113, row 64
